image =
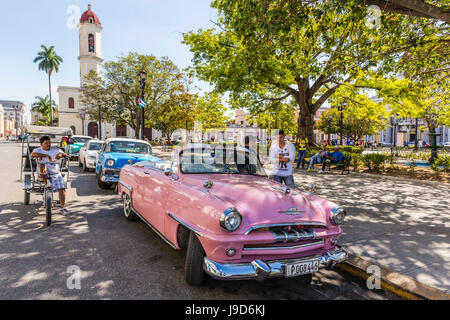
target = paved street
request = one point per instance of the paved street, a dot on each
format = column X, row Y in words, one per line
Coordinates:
column 118, row 259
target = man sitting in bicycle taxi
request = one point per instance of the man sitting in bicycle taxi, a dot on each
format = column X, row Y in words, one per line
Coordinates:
column 48, row 167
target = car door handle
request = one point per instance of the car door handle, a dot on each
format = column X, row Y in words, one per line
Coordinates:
column 147, row 172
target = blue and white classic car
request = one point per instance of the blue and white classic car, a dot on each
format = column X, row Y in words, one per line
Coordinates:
column 116, row 153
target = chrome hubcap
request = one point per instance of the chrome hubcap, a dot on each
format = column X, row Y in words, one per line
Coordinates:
column 127, row 205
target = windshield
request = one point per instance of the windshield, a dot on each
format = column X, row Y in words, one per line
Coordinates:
column 128, row 147
column 80, row 139
column 95, row 146
column 221, row 161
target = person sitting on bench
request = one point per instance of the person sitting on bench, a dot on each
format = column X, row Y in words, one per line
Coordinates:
column 333, row 158
column 318, row 157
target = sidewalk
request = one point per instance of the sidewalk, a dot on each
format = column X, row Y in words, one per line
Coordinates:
column 403, row 224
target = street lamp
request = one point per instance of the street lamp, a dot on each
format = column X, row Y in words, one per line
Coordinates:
column 142, row 80
column 83, row 117
column 341, row 108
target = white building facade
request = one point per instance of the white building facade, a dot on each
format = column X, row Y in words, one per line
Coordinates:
column 71, row 109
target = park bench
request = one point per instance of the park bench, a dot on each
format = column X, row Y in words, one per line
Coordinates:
column 343, row 165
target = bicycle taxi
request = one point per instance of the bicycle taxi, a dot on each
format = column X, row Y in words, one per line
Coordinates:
column 30, row 170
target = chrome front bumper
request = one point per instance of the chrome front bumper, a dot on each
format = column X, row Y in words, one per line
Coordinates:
column 260, row 270
column 110, row 175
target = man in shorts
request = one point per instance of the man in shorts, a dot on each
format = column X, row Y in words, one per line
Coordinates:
column 47, row 156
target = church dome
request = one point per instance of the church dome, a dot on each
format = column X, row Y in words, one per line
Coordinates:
column 89, row 16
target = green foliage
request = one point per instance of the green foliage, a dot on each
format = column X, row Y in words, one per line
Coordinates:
column 346, row 150
column 444, row 161
column 117, row 93
column 42, row 106
column 275, row 115
column 210, row 111
column 296, row 51
column 48, row 61
column 375, row 161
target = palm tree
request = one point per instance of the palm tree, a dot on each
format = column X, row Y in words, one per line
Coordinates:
column 42, row 105
column 49, row 61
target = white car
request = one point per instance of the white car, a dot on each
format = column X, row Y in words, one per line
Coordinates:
column 88, row 154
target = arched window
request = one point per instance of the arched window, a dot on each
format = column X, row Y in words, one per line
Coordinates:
column 74, row 130
column 91, row 20
column 71, row 103
column 91, row 43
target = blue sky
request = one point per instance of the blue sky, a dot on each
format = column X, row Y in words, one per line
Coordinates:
column 145, row 26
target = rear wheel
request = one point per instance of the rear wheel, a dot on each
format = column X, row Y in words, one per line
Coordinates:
column 48, row 208
column 85, row 169
column 194, row 273
column 127, row 209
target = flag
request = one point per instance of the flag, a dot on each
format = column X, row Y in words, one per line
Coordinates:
column 142, row 103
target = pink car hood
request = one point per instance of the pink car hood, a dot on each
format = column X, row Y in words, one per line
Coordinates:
column 257, row 200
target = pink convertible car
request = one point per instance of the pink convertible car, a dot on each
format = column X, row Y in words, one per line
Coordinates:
column 235, row 222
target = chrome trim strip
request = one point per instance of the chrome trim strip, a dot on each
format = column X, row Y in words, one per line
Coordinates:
column 290, row 247
column 153, row 228
column 185, row 224
column 261, row 226
column 126, row 186
column 292, row 211
column 261, row 270
column 149, row 224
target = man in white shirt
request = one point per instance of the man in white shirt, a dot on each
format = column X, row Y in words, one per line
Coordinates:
column 47, row 156
column 282, row 155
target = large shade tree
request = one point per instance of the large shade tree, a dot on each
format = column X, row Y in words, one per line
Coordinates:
column 49, row 62
column 276, row 50
column 115, row 94
column 433, row 9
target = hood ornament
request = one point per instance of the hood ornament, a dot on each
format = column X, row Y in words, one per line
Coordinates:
column 292, row 211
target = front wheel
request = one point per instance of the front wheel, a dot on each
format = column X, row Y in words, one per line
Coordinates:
column 48, row 208
column 194, row 273
column 101, row 184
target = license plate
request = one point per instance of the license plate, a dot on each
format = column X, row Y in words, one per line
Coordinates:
column 300, row 268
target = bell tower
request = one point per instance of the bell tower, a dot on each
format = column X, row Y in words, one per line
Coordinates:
column 90, row 35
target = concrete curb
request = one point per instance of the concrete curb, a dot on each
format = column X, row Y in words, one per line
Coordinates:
column 399, row 284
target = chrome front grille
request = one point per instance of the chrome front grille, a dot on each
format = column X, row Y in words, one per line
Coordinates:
column 265, row 227
column 283, row 246
column 293, row 235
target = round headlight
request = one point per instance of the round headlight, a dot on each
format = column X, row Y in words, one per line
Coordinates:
column 110, row 163
column 337, row 216
column 231, row 219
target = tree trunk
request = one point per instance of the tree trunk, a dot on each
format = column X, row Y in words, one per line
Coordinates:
column 50, row 94
column 306, row 124
column 306, row 108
